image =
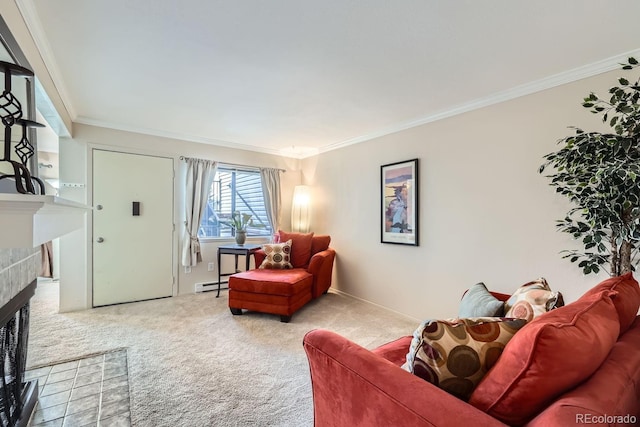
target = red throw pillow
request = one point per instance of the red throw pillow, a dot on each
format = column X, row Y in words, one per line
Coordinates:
column 552, row 354
column 320, row 243
column 626, row 302
column 300, row 247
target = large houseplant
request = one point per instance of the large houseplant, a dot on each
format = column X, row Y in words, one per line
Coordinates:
column 600, row 174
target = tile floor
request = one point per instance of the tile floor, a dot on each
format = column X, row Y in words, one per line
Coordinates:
column 93, row 391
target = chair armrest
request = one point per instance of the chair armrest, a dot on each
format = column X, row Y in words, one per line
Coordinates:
column 354, row 387
column 395, row 351
column 321, row 268
column 258, row 257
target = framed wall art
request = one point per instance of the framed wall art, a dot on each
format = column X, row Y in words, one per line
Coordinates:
column 399, row 207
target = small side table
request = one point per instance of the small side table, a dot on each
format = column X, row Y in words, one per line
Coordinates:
column 235, row 250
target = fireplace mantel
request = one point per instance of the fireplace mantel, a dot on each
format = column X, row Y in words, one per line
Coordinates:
column 27, row 221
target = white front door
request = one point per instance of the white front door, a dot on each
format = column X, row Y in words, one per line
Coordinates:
column 132, row 227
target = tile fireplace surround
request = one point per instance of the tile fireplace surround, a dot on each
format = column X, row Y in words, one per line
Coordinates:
column 18, row 268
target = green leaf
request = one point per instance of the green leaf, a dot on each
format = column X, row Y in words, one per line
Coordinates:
column 599, row 174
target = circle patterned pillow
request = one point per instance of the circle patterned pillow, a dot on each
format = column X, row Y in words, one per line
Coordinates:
column 278, row 256
column 532, row 299
column 455, row 354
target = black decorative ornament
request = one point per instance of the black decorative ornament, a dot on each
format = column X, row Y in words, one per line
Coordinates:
column 10, row 115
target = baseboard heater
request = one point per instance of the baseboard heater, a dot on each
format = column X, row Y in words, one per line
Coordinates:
column 210, row 286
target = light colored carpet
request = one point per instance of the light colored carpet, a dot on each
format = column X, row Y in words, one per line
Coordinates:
column 191, row 363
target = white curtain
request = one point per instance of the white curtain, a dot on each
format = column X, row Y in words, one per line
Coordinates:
column 200, row 175
column 272, row 197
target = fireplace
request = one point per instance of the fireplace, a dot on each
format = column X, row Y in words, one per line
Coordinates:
column 17, row 397
column 18, row 272
column 27, row 221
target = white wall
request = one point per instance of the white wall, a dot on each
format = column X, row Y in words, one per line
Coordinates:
column 76, row 284
column 74, row 265
column 485, row 212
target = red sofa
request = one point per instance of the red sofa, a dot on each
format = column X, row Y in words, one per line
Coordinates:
column 284, row 292
column 353, row 386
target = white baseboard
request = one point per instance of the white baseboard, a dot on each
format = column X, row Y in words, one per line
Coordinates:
column 382, row 307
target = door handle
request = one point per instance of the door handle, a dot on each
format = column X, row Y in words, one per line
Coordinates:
column 99, row 240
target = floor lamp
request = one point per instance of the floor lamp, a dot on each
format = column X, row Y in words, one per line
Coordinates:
column 301, row 209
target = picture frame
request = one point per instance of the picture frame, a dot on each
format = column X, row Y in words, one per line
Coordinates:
column 399, row 203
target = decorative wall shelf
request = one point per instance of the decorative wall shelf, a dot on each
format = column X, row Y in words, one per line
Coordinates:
column 27, row 221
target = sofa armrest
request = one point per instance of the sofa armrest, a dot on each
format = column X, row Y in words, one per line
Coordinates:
column 321, row 268
column 354, row 387
column 395, row 351
column 258, row 257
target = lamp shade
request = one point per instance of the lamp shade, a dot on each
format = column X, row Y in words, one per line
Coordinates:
column 301, row 209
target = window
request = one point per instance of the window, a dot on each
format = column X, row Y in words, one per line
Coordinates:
column 234, row 190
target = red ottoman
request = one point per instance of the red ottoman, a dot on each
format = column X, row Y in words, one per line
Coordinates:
column 280, row 292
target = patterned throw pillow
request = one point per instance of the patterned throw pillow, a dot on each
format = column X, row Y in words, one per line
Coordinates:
column 455, row 354
column 278, row 256
column 532, row 299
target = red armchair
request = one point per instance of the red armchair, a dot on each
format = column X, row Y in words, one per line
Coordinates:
column 284, row 292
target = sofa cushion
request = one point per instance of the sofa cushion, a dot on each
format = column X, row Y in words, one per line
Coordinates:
column 277, row 256
column 478, row 302
column 320, row 243
column 532, row 299
column 626, row 302
column 552, row 354
column 271, row 282
column 614, row 389
column 455, row 354
column 300, row 247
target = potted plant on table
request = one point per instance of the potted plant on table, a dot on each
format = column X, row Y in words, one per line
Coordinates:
column 600, row 174
column 239, row 223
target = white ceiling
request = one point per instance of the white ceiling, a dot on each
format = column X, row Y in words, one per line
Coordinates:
column 297, row 76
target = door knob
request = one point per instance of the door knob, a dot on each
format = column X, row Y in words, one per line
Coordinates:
column 99, row 207
column 99, row 240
